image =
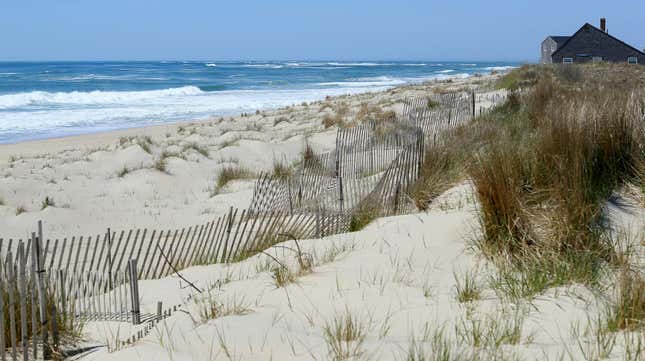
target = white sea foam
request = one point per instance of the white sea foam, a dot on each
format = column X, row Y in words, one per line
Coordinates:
column 380, row 81
column 42, row 98
column 210, row 65
column 445, row 71
column 78, row 112
column 499, row 68
column 359, row 64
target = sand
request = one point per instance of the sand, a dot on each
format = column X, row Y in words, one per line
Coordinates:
column 83, row 174
column 398, row 278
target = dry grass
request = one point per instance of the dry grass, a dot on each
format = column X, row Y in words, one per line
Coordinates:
column 374, row 112
column 344, row 336
column 627, row 311
column 160, row 165
column 197, row 148
column 363, row 214
column 211, row 307
column 228, row 174
column 281, row 170
column 467, row 289
column 559, row 153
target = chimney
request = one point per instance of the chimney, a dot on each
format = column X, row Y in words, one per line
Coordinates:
column 603, row 24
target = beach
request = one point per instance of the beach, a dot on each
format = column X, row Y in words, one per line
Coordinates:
column 410, row 284
column 84, row 175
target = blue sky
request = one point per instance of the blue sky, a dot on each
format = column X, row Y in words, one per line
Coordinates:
column 331, row 29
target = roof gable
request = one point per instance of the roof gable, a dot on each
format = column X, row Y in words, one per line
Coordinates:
column 593, row 28
column 560, row 40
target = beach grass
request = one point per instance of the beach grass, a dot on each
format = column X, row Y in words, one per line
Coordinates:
column 228, row 174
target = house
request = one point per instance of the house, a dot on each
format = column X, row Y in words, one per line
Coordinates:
column 589, row 44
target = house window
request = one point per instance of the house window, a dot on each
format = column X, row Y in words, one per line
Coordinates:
column 597, row 59
column 567, row 60
column 632, row 60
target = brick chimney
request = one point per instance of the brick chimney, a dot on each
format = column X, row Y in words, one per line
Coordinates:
column 603, row 24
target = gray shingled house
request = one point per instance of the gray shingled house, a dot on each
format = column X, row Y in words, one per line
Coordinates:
column 589, row 44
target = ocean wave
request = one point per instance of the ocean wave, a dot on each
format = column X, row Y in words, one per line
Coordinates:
column 499, row 68
column 379, row 81
column 264, row 66
column 445, row 71
column 360, row 64
column 210, row 65
column 42, row 98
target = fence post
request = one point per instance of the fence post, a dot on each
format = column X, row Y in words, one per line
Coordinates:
column 2, row 340
column 340, row 186
column 134, row 291
column 396, row 198
column 109, row 245
column 11, row 281
column 159, row 308
column 55, row 337
column 22, row 292
column 473, row 100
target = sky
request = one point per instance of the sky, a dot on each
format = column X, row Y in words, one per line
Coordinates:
column 495, row 30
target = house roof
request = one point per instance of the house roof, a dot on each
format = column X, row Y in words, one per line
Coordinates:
column 559, row 39
column 561, row 46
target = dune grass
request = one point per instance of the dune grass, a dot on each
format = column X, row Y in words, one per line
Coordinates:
column 345, row 335
column 228, row 174
column 197, row 148
column 559, row 153
column 543, row 165
column 211, row 307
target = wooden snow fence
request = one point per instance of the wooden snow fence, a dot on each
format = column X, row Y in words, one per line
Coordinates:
column 28, row 315
column 160, row 253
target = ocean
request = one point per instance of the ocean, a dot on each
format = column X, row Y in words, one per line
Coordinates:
column 52, row 99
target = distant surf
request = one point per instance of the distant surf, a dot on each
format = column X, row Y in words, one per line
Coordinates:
column 51, row 99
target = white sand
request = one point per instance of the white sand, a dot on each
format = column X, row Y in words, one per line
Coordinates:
column 80, row 173
column 397, row 277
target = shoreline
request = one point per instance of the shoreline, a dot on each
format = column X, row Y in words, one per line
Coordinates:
column 129, row 130
column 167, row 174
